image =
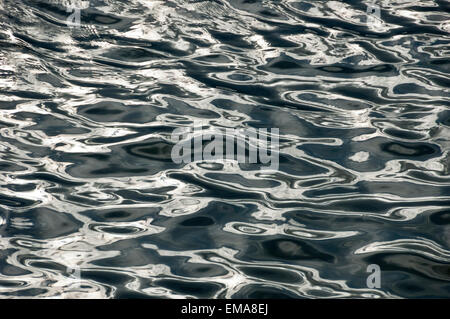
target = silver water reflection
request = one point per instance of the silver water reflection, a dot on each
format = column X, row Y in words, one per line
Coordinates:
column 92, row 205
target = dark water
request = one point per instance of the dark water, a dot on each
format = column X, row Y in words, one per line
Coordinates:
column 91, row 204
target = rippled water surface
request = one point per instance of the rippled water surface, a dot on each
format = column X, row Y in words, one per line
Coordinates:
column 91, row 204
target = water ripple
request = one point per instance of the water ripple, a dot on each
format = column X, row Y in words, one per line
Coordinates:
column 91, row 204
